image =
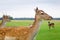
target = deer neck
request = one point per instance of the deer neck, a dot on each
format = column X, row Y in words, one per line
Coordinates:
column 36, row 25
column 3, row 23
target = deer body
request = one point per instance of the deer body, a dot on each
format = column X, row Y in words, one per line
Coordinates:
column 50, row 25
column 26, row 33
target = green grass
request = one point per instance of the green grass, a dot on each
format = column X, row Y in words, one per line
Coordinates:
column 19, row 23
column 44, row 33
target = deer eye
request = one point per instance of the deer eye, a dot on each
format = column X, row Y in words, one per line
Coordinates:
column 42, row 13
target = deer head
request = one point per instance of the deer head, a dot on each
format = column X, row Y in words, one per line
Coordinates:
column 40, row 14
column 6, row 18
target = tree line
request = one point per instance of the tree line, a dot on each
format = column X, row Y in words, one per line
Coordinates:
column 26, row 18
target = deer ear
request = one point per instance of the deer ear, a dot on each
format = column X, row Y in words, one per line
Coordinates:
column 3, row 15
column 36, row 9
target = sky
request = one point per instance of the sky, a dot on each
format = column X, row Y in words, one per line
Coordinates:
column 25, row 8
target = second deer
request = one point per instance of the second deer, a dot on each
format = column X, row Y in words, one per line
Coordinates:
column 5, row 19
column 50, row 25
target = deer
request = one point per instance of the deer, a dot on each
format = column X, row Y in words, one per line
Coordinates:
column 25, row 33
column 5, row 19
column 50, row 25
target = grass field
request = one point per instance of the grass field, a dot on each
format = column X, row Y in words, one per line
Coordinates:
column 44, row 33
